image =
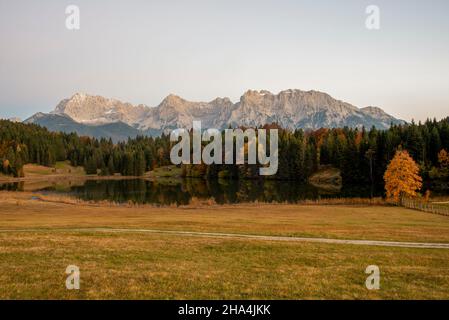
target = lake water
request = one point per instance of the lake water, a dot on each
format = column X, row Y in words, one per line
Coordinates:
column 180, row 192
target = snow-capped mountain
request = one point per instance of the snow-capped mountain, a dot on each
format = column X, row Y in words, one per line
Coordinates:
column 175, row 112
column 304, row 109
column 290, row 109
column 96, row 110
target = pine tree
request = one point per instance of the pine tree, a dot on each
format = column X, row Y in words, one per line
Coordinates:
column 111, row 167
column 434, row 146
column 90, row 166
column 128, row 164
column 140, row 164
column 414, row 143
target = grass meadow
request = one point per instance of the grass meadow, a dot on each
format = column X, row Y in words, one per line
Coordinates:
column 40, row 242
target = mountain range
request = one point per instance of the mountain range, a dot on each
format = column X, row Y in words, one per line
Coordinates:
column 103, row 117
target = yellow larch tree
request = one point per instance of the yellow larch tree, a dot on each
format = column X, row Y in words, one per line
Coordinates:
column 402, row 177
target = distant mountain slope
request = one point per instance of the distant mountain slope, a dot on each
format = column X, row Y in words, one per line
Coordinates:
column 117, row 131
column 102, row 117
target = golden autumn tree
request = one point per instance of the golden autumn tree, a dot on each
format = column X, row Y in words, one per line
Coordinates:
column 402, row 177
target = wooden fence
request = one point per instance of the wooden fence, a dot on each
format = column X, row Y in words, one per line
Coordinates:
column 425, row 206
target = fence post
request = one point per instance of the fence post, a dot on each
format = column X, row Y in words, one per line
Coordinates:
column 423, row 206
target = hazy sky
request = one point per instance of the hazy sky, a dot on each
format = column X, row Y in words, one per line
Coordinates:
column 140, row 51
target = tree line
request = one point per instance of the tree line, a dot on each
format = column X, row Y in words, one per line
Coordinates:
column 29, row 143
column 362, row 155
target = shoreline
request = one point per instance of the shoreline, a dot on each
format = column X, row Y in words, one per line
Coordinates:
column 66, row 176
column 18, row 196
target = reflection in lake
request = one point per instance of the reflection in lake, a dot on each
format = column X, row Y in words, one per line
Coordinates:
column 181, row 192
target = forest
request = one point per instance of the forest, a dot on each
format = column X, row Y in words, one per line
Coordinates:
column 361, row 155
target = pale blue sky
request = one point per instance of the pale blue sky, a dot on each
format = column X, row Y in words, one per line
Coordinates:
column 140, row 51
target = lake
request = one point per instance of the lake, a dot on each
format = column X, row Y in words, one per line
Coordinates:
column 181, row 192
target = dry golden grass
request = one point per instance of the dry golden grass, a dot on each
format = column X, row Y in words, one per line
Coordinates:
column 328, row 178
column 34, row 173
column 344, row 222
column 155, row 266
column 60, row 168
column 37, row 170
column 165, row 172
column 138, row 266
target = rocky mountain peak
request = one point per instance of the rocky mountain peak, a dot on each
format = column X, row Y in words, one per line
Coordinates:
column 79, row 96
column 172, row 99
column 92, row 109
column 290, row 109
column 373, row 110
column 221, row 101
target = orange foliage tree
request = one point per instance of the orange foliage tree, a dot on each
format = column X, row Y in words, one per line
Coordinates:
column 402, row 177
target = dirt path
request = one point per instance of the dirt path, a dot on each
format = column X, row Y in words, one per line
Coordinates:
column 423, row 245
